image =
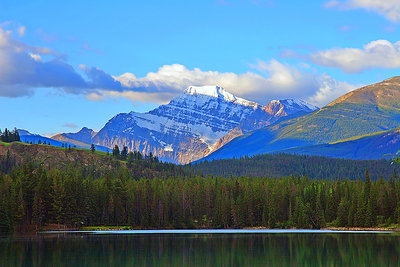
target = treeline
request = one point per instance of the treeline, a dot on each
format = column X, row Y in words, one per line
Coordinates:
column 32, row 195
column 277, row 165
column 9, row 136
column 39, row 142
column 132, row 155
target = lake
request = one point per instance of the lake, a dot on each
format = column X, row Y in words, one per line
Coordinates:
column 202, row 248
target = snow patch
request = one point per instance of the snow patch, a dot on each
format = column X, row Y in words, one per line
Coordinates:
column 168, row 148
column 294, row 104
column 219, row 92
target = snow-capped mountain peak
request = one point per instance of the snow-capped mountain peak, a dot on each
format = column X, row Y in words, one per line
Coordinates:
column 218, row 92
column 191, row 125
column 208, row 90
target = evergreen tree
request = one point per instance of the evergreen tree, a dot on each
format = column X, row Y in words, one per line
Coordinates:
column 92, row 148
column 116, row 153
column 124, row 153
column 131, row 156
column 342, row 213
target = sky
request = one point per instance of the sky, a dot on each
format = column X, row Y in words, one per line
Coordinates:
column 69, row 64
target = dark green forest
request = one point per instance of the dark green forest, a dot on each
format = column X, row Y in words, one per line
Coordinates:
column 9, row 136
column 32, row 195
column 277, row 165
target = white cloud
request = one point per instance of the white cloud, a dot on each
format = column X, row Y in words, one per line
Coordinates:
column 329, row 89
column 387, row 8
column 36, row 57
column 376, row 54
column 21, row 31
column 278, row 81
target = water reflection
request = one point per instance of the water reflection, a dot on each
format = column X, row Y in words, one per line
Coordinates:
column 85, row 249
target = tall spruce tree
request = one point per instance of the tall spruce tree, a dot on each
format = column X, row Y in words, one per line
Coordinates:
column 116, row 152
column 124, row 153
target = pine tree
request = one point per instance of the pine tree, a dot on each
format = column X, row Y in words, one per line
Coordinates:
column 92, row 148
column 124, row 153
column 58, row 196
column 116, row 153
column 319, row 214
column 271, row 211
column 342, row 213
column 131, row 156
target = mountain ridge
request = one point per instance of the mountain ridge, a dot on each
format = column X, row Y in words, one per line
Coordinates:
column 191, row 125
column 366, row 110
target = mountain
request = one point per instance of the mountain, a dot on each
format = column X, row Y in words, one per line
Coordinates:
column 191, row 125
column 366, row 110
column 81, row 138
column 28, row 137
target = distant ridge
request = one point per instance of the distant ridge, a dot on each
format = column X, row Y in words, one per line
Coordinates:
column 81, row 138
column 28, row 137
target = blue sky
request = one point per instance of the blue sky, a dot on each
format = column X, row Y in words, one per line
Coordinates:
column 63, row 65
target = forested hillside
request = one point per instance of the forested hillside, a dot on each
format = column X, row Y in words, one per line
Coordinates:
column 34, row 197
column 276, row 165
column 137, row 191
column 92, row 163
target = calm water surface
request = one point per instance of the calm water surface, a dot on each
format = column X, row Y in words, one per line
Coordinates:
column 202, row 248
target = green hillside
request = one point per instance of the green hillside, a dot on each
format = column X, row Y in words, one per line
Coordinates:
column 363, row 111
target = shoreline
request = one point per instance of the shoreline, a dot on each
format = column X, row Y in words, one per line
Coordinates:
column 64, row 228
column 127, row 228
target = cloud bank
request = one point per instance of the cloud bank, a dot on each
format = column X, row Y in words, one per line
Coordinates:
column 23, row 70
column 376, row 54
column 278, row 80
column 390, row 9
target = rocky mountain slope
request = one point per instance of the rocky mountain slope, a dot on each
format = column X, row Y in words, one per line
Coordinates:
column 81, row 138
column 190, row 126
column 277, row 109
